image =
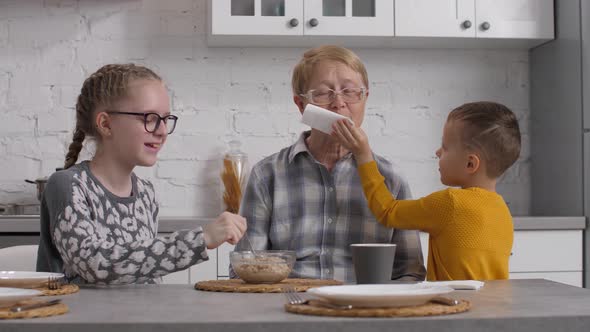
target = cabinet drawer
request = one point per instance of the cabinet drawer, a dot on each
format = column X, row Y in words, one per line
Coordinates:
column 198, row 272
column 223, row 259
column 224, row 250
column 532, row 251
column 570, row 278
column 424, row 246
column 546, row 251
column 539, row 251
column 206, row 270
column 178, row 277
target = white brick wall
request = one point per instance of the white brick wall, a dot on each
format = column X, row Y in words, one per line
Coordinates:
column 48, row 47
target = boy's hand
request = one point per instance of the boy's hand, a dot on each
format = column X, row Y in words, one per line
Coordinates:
column 228, row 227
column 354, row 139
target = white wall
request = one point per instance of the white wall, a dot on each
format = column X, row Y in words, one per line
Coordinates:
column 48, row 47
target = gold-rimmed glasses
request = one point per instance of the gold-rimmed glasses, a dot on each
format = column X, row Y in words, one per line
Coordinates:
column 151, row 120
column 325, row 96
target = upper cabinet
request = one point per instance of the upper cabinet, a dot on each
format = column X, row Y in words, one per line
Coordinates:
column 256, row 17
column 302, row 17
column 511, row 19
column 380, row 23
column 347, row 17
column 514, row 19
column 435, row 18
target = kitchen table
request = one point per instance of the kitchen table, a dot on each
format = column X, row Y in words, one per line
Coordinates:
column 508, row 305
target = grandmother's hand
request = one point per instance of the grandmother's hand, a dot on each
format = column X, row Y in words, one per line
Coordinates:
column 354, row 139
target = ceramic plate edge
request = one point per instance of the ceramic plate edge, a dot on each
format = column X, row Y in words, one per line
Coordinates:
column 6, row 276
column 20, row 291
column 430, row 290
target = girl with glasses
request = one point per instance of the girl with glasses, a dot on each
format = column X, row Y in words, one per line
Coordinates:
column 99, row 220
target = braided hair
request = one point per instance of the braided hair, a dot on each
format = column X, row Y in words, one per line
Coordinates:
column 103, row 87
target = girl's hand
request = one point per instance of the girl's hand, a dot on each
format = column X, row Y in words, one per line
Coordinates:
column 228, row 227
column 354, row 139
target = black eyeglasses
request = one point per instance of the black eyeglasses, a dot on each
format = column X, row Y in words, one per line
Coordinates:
column 151, row 120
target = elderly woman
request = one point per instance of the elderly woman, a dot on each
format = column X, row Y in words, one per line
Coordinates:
column 308, row 196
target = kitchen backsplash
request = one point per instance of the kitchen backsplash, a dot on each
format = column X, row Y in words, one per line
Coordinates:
column 48, row 47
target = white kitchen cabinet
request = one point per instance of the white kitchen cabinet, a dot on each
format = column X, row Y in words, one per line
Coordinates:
column 381, row 23
column 547, row 251
column 223, row 259
column 435, row 18
column 202, row 271
column 268, row 22
column 206, row 270
column 424, row 245
column 178, row 277
column 256, row 17
column 548, row 254
column 348, row 17
column 509, row 19
column 570, row 278
column 514, row 19
column 224, row 250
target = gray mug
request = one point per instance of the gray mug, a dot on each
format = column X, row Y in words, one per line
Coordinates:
column 373, row 262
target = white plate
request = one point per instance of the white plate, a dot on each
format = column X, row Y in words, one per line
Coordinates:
column 26, row 279
column 10, row 296
column 458, row 284
column 381, row 295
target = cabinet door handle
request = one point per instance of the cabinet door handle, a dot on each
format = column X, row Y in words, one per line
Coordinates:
column 314, row 22
column 466, row 24
column 485, row 26
column 294, row 22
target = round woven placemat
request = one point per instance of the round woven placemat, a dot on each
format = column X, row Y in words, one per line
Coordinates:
column 54, row 310
column 428, row 309
column 239, row 286
column 63, row 290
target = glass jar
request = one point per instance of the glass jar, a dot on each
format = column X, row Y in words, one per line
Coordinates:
column 234, row 175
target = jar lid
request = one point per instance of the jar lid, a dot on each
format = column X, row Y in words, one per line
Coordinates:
column 234, row 148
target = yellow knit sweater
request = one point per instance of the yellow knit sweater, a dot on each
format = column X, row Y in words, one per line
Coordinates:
column 471, row 230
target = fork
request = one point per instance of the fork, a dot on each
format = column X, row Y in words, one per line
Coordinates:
column 445, row 300
column 53, row 283
column 294, row 298
column 35, row 305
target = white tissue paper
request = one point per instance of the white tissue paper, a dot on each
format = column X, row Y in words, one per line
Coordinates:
column 458, row 284
column 320, row 118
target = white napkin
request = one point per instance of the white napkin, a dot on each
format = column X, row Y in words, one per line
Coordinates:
column 320, row 118
column 458, row 284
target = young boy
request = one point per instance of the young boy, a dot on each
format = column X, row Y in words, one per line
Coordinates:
column 470, row 227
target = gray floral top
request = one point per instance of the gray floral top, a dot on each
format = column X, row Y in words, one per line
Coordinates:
column 93, row 236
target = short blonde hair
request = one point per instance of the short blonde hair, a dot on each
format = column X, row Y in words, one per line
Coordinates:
column 305, row 67
column 493, row 129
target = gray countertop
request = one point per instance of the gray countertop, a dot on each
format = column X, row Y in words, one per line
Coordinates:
column 507, row 305
column 30, row 223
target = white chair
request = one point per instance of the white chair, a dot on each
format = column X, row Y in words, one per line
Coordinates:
column 18, row 258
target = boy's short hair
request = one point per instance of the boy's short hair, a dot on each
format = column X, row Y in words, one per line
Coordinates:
column 492, row 129
column 305, row 67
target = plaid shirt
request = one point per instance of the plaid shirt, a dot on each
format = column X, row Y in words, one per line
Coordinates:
column 292, row 202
